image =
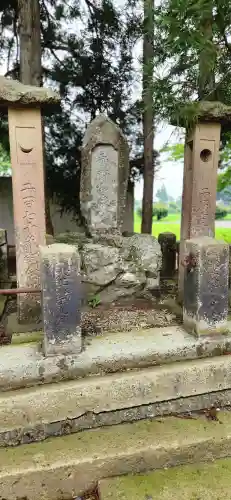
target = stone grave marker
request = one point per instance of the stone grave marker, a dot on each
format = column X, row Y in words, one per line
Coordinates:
column 206, row 275
column 61, row 299
column 104, row 176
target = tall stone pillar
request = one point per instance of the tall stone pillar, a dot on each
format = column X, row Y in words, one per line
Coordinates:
column 199, row 187
column 24, row 105
column 29, row 206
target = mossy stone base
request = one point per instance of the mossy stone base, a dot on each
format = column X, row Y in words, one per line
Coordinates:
column 13, row 327
column 192, row 482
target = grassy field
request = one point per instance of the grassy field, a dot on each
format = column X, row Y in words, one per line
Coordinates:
column 172, row 224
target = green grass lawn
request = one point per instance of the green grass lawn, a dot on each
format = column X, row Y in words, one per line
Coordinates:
column 172, row 224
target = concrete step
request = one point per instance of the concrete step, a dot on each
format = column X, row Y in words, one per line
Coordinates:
column 68, row 466
column 24, row 365
column 193, row 482
column 34, row 414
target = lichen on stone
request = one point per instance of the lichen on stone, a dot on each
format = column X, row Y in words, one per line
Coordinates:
column 188, row 114
column 13, row 92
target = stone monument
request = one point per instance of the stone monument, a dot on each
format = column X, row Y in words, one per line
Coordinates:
column 200, row 176
column 113, row 266
column 61, row 299
column 24, row 104
column 205, row 309
column 104, row 176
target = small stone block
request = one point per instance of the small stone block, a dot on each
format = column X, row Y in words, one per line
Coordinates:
column 167, row 243
column 205, row 309
column 61, row 299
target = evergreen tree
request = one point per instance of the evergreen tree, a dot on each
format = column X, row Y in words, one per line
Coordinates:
column 162, row 194
column 92, row 68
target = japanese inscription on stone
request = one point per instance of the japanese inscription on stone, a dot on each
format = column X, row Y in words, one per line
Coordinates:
column 28, row 197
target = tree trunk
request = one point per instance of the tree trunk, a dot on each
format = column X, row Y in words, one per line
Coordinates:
column 207, row 55
column 148, row 116
column 31, row 64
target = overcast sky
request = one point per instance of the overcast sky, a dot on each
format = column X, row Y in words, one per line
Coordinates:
column 171, row 174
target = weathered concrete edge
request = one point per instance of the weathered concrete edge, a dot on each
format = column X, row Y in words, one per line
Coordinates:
column 35, row 414
column 90, row 420
column 71, row 477
column 25, row 365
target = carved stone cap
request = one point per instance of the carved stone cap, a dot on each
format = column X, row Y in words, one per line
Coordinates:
column 102, row 130
column 203, row 111
column 14, row 93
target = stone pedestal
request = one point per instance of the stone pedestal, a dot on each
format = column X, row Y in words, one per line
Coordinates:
column 61, row 299
column 199, row 187
column 206, row 272
column 167, row 243
column 104, row 176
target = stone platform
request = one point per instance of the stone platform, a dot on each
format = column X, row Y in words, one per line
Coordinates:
column 68, row 466
column 24, row 365
column 151, row 378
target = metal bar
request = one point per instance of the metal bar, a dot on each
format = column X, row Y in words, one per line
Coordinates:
column 16, row 291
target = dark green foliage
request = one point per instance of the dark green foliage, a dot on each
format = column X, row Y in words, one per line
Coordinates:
column 221, row 212
column 159, row 212
column 93, row 70
column 179, row 43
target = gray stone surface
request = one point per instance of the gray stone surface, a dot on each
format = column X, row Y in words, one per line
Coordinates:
column 71, row 465
column 4, row 278
column 28, row 433
column 13, row 325
column 143, row 252
column 106, row 399
column 61, row 299
column 205, row 309
column 15, row 93
column 114, row 266
column 24, row 365
column 104, row 176
column 167, row 243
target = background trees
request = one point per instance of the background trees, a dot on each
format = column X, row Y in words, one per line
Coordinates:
column 86, row 50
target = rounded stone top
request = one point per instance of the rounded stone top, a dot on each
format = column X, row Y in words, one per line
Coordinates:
column 14, row 93
column 102, row 130
column 202, row 111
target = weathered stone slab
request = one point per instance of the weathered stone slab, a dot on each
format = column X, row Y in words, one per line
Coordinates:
column 205, row 308
column 14, row 93
column 25, row 129
column 199, row 187
column 61, row 298
column 167, row 243
column 104, row 176
column 74, row 464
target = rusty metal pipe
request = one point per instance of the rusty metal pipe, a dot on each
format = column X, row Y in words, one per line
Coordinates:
column 16, row 291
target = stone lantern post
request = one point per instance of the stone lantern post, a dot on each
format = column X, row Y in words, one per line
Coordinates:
column 24, row 104
column 200, row 175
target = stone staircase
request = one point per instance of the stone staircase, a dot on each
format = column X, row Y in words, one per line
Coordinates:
column 204, row 481
column 68, row 423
